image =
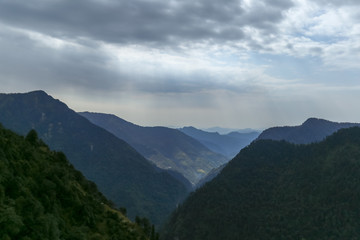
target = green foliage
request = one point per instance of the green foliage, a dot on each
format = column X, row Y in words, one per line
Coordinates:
column 147, row 228
column 32, row 137
column 278, row 190
column 43, row 197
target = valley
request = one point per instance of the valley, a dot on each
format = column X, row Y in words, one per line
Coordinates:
column 179, row 120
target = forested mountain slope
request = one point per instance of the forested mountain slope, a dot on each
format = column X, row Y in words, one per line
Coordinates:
column 121, row 173
column 167, row 148
column 43, row 197
column 278, row 190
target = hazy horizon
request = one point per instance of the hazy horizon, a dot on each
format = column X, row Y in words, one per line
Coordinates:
column 235, row 64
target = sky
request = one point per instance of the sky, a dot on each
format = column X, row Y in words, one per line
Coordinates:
column 204, row 63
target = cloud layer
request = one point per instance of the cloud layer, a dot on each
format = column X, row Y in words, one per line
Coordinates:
column 187, row 62
column 140, row 21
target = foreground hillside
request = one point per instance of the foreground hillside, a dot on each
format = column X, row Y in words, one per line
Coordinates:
column 167, row 148
column 278, row 190
column 43, row 197
column 121, row 173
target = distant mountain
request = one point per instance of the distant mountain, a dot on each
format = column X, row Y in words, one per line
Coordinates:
column 278, row 190
column 312, row 130
column 224, row 131
column 228, row 145
column 121, row 173
column 42, row 196
column 167, row 148
column 220, row 130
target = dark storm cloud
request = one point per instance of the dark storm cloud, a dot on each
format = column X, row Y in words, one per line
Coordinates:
column 140, row 21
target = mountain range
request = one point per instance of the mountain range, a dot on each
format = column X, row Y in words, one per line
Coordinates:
column 224, row 131
column 278, row 187
column 166, row 147
column 120, row 172
column 228, row 144
column 312, row 130
column 278, row 190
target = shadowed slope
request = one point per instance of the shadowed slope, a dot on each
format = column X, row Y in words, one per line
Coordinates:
column 278, row 190
column 167, row 148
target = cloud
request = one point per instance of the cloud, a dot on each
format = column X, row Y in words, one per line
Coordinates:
column 339, row 2
column 313, row 29
column 51, row 63
column 155, row 23
column 146, row 58
column 279, row 27
column 35, row 61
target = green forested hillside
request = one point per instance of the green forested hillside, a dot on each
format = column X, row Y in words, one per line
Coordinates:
column 122, row 174
column 43, row 197
column 278, row 190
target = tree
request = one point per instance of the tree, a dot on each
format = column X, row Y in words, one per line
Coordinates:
column 32, row 137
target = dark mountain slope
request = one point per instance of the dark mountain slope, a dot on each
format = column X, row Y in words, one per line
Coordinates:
column 43, row 197
column 226, row 144
column 312, row 130
column 167, row 148
column 278, row 190
column 121, row 173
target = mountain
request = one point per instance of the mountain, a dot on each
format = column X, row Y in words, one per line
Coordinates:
column 121, row 173
column 224, row 131
column 226, row 144
column 42, row 196
column 312, row 130
column 166, row 147
column 278, row 190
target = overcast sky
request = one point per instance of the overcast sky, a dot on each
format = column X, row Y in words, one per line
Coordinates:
column 229, row 63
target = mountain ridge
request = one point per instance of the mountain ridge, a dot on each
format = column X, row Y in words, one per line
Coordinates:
column 166, row 147
column 120, row 172
column 228, row 144
column 312, row 130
